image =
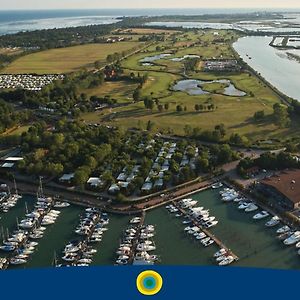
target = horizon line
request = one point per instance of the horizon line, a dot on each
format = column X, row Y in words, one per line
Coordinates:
column 152, row 8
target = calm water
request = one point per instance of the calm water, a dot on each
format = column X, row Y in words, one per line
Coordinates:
column 194, row 87
column 273, row 64
column 23, row 20
column 255, row 244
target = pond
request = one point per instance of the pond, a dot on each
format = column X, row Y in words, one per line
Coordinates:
column 195, row 87
column 150, row 59
column 179, row 59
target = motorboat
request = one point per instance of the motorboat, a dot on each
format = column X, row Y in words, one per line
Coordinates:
column 221, row 252
column 252, row 207
column 293, row 239
column 210, row 224
column 298, row 245
column 220, row 258
column 122, row 262
column 227, row 261
column 7, row 248
column 135, row 220
column 208, row 243
column 200, row 236
column 145, row 247
column 61, row 204
column 273, row 222
column 69, row 257
column 17, row 261
column 263, row 214
column 243, row 205
column 285, row 235
column 283, row 229
column 84, row 261
column 217, row 185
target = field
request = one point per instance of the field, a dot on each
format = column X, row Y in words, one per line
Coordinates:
column 122, row 91
column 64, row 60
column 143, row 31
column 236, row 113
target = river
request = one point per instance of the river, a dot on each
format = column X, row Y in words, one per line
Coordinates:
column 273, row 64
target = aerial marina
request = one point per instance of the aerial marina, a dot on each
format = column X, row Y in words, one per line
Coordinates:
column 170, row 140
column 200, row 232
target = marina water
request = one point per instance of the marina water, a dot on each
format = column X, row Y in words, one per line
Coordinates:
column 254, row 243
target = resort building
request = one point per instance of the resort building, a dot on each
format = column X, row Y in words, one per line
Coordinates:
column 283, row 189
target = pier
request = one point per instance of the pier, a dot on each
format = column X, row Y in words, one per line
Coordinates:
column 136, row 239
column 207, row 232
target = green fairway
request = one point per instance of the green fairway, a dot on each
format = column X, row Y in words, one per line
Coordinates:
column 64, row 60
column 122, row 91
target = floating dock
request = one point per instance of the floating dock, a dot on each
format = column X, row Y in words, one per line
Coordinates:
column 207, row 232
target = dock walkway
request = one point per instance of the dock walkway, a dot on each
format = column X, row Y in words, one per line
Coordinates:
column 136, row 239
column 207, row 232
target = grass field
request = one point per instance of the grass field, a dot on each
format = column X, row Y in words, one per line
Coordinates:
column 66, row 60
column 122, row 91
column 144, row 31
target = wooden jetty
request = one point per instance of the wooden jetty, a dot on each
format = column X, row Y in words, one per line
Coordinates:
column 136, row 239
column 207, row 232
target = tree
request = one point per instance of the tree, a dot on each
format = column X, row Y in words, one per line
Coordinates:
column 81, row 176
column 97, row 64
column 160, row 107
column 150, row 125
column 137, row 95
column 179, row 108
column 281, row 115
column 259, row 116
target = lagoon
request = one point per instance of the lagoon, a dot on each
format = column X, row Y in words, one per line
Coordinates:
column 273, row 64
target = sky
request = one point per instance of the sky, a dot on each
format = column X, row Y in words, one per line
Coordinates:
column 80, row 4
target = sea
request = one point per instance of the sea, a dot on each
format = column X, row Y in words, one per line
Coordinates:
column 29, row 20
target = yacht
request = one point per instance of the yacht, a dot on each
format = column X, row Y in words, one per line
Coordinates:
column 251, row 207
column 261, row 215
column 208, row 243
column 200, row 236
column 145, row 247
column 135, row 220
column 227, row 261
column 285, row 235
column 210, row 224
column 7, row 248
column 17, row 261
column 61, row 204
column 122, row 262
column 243, row 205
column 293, row 239
column 221, row 252
column 283, row 229
column 273, row 222
column 217, row 185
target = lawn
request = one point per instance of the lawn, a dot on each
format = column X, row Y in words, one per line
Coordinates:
column 64, row 60
column 122, row 91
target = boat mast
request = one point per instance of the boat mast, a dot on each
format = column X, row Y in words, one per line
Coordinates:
column 41, row 187
column 15, row 184
column 26, row 208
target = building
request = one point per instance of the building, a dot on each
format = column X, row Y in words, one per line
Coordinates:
column 283, row 189
column 228, row 65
